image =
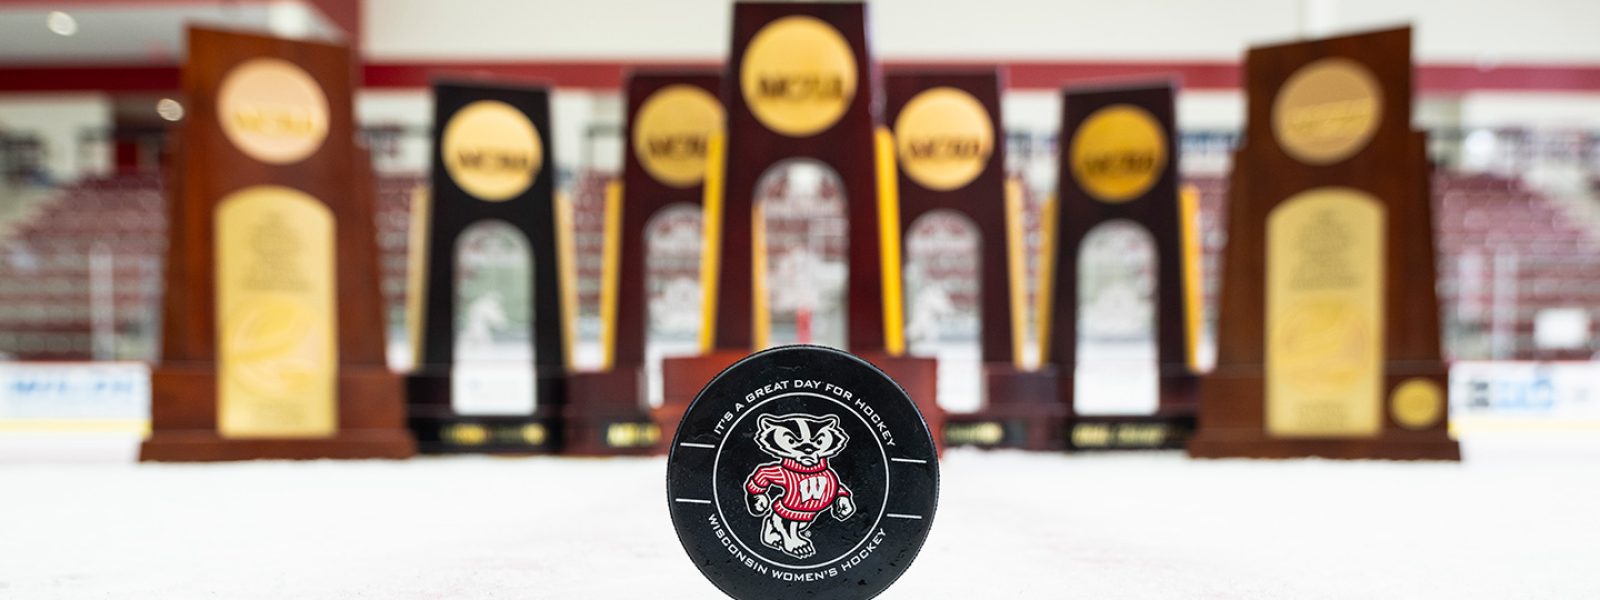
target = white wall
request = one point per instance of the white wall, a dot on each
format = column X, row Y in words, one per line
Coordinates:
column 1529, row 109
column 1457, row 31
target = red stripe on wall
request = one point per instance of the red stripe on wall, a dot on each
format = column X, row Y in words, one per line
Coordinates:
column 89, row 79
column 608, row 75
column 589, row 75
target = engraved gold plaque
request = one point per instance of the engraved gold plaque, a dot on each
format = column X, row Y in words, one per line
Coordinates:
column 492, row 150
column 798, row 75
column 943, row 138
column 1417, row 403
column 1327, row 111
column 1325, row 316
column 672, row 130
column 1118, row 153
column 276, row 321
column 273, row 111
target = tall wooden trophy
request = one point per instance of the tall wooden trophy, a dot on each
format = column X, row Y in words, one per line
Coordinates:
column 486, row 278
column 672, row 117
column 951, row 163
column 800, row 86
column 272, row 336
column 1119, row 177
column 1329, row 333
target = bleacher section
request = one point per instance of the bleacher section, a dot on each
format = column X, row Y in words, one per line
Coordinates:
column 97, row 245
column 1507, row 255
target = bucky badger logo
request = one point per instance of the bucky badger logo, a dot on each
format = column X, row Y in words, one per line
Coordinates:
column 805, row 484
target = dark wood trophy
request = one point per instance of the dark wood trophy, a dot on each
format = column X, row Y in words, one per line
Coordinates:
column 272, row 332
column 672, row 117
column 955, row 214
column 488, row 321
column 1328, row 336
column 1121, row 230
column 801, row 122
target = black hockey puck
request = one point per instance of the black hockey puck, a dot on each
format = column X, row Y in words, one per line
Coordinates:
column 802, row 472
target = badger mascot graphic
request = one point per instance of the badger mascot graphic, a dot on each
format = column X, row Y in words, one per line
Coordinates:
column 801, row 479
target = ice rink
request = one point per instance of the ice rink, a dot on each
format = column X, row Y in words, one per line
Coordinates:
column 1517, row 519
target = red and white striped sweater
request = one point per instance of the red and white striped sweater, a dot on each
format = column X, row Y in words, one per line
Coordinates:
column 806, row 490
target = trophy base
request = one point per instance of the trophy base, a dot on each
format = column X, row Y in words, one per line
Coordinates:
column 1168, row 429
column 1022, row 412
column 1233, row 417
column 513, row 435
column 440, row 429
column 1129, row 432
column 605, row 415
column 919, row 377
column 183, row 420
column 1253, row 444
column 683, row 377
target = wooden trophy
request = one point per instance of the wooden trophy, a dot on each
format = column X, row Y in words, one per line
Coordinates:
column 1119, row 197
column 800, row 87
column 672, row 117
column 1328, row 337
column 951, row 164
column 272, row 331
column 487, row 278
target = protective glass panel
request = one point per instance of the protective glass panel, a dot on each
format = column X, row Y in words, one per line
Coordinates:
column 943, row 280
column 493, row 371
column 672, row 282
column 1117, row 372
column 802, row 253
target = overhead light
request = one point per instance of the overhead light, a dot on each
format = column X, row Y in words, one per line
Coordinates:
column 61, row 23
column 169, row 109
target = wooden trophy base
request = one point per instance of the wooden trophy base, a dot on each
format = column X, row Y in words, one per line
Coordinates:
column 1233, row 427
column 683, row 377
column 442, row 430
column 919, row 377
column 183, row 421
column 1168, row 429
column 1021, row 411
column 606, row 416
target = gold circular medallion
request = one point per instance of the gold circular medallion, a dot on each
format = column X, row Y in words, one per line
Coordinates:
column 798, row 75
column 273, row 111
column 1327, row 111
column 533, row 434
column 671, row 131
column 1118, row 153
column 1417, row 403
column 492, row 150
column 944, row 138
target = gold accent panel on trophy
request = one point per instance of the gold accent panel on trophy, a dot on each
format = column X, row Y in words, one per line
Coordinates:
column 276, row 319
column 1325, row 314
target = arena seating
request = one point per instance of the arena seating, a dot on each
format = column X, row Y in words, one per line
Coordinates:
column 1507, row 253
column 100, row 236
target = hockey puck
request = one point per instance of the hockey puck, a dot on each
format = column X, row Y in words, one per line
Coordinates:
column 802, row 472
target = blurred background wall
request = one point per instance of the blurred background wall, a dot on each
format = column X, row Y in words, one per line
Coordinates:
column 1510, row 92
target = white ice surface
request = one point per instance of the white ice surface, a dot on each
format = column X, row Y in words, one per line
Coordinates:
column 1516, row 520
